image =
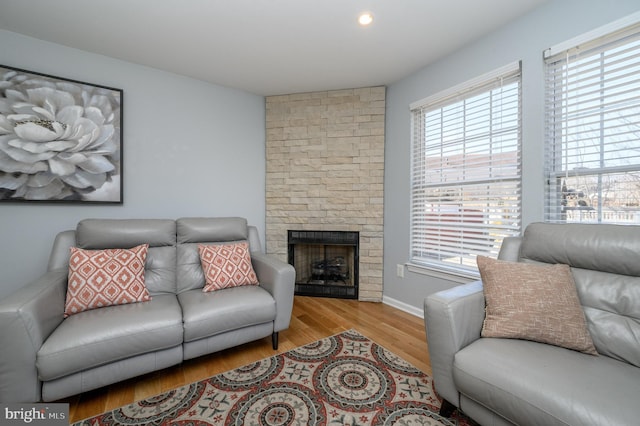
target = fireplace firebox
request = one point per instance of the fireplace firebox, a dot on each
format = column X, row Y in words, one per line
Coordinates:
column 326, row 263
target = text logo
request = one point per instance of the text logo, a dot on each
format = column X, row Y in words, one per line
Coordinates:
column 36, row 414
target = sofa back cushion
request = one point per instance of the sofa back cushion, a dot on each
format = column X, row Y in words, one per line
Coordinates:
column 193, row 231
column 605, row 264
column 160, row 234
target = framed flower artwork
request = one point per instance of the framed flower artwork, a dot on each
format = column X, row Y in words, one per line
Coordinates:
column 60, row 139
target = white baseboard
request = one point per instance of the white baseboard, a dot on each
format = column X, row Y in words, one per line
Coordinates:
column 403, row 306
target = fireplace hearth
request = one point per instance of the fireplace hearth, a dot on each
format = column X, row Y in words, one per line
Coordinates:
column 326, row 263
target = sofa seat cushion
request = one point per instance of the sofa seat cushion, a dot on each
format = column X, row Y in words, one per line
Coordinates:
column 553, row 386
column 208, row 314
column 100, row 336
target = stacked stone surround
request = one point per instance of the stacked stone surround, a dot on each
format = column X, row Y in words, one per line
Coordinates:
column 325, row 171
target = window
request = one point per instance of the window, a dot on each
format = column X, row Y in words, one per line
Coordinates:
column 466, row 172
column 592, row 142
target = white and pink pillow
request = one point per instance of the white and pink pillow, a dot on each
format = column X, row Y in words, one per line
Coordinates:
column 99, row 278
column 226, row 265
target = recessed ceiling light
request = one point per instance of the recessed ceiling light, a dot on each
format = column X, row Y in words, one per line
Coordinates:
column 365, row 19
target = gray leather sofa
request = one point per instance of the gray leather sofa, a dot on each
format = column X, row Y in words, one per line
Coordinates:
column 507, row 381
column 45, row 357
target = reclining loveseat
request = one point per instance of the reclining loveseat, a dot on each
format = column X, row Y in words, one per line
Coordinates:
column 51, row 348
column 504, row 381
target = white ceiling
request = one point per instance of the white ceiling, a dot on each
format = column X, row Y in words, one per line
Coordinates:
column 267, row 47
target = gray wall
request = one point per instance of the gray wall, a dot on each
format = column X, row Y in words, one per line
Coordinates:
column 190, row 149
column 525, row 40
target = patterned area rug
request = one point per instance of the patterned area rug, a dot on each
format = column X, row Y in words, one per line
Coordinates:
column 342, row 380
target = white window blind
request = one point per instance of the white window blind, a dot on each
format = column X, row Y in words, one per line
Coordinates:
column 466, row 172
column 592, row 142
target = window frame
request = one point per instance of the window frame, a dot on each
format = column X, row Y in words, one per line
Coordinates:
column 574, row 192
column 484, row 84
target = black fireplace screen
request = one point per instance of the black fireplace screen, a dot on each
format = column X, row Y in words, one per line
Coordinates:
column 326, row 263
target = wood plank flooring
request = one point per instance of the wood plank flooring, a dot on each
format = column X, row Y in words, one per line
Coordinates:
column 313, row 319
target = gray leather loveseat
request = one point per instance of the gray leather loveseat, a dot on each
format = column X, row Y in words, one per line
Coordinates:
column 44, row 356
column 499, row 381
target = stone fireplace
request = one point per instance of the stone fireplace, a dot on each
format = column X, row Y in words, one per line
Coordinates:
column 324, row 172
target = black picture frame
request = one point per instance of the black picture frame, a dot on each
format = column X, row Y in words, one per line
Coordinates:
column 60, row 140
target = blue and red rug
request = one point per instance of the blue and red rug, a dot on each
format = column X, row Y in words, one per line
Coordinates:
column 345, row 379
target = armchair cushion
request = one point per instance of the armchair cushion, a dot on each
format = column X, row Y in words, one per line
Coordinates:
column 533, row 302
column 99, row 278
column 534, row 384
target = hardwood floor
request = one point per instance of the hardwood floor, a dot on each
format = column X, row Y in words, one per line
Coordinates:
column 313, row 319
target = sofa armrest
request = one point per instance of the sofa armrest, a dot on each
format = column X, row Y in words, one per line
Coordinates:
column 278, row 278
column 27, row 318
column 453, row 319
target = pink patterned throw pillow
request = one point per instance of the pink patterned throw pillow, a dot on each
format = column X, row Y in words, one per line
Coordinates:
column 99, row 278
column 226, row 265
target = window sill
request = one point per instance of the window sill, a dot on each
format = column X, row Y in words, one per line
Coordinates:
column 461, row 277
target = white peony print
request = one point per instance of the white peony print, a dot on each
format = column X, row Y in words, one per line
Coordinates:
column 59, row 140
